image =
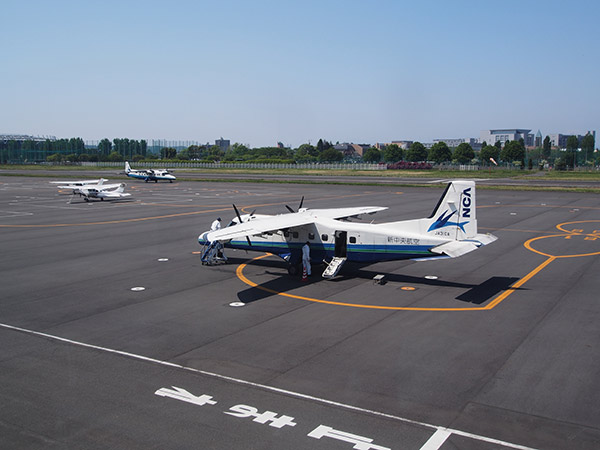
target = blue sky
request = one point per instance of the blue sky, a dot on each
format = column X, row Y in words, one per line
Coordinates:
column 259, row 72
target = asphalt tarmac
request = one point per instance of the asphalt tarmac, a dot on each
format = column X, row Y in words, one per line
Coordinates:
column 114, row 335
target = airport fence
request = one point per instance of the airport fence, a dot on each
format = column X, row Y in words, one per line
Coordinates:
column 310, row 166
column 219, row 165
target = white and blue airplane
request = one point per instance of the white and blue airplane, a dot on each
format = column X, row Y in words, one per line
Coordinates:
column 149, row 174
column 449, row 232
column 103, row 192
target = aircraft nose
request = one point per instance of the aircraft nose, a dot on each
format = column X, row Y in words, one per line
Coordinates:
column 202, row 238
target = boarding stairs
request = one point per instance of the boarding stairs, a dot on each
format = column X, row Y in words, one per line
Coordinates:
column 212, row 253
column 333, row 267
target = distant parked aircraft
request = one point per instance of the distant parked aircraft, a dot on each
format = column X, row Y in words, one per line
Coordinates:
column 99, row 190
column 149, row 174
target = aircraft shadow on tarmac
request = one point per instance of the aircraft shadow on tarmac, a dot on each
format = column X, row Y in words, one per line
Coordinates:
column 476, row 293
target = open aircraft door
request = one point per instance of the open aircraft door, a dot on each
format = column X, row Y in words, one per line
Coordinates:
column 339, row 254
column 341, row 244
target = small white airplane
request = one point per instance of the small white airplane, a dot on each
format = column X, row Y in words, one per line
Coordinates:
column 449, row 232
column 101, row 191
column 149, row 174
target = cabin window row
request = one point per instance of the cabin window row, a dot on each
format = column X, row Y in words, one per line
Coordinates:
column 311, row 236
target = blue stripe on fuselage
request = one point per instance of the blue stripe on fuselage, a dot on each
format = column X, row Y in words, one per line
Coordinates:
column 321, row 250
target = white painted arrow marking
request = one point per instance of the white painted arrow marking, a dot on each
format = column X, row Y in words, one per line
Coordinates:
column 185, row 396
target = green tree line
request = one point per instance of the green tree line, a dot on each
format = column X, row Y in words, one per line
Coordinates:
column 73, row 150
column 512, row 152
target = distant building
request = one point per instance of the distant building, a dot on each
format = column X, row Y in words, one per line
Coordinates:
column 539, row 140
column 25, row 137
column 359, row 149
column 223, row 144
column 453, row 143
column 504, row 135
column 402, row 144
column 351, row 150
column 560, row 140
column 450, row 142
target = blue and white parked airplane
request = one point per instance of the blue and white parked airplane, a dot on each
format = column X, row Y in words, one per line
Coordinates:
column 449, row 232
column 149, row 174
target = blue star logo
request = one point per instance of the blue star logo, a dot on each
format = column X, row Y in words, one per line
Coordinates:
column 444, row 221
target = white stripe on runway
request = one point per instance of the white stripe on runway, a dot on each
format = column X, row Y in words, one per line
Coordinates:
column 437, row 440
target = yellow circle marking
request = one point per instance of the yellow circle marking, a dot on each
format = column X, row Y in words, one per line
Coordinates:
column 574, row 232
column 562, row 225
column 530, row 247
column 550, row 259
column 495, row 302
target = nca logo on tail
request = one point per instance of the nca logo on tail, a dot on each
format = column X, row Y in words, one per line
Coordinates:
column 466, row 203
column 465, row 212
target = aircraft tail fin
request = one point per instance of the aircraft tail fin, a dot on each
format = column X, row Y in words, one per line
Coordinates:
column 454, row 216
column 127, row 167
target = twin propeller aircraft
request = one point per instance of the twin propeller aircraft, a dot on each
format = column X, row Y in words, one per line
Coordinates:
column 149, row 174
column 449, row 232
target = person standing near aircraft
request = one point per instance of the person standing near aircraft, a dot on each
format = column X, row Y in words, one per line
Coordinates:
column 216, row 225
column 306, row 258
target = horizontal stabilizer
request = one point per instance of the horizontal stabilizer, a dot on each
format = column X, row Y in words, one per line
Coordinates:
column 454, row 248
column 484, row 239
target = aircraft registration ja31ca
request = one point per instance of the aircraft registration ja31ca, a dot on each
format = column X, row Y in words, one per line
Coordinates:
column 449, row 232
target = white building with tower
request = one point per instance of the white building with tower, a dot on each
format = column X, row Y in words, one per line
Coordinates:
column 507, row 134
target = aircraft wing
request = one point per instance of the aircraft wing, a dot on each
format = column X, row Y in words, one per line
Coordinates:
column 344, row 213
column 262, row 225
column 73, row 184
column 98, row 187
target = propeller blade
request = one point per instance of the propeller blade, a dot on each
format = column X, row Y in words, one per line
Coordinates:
column 301, row 202
column 290, row 209
column 237, row 213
